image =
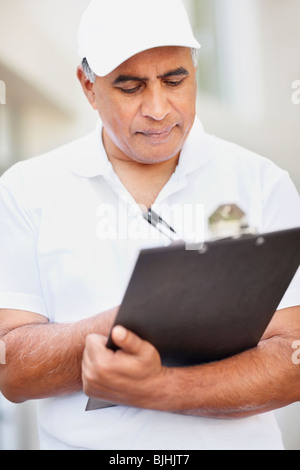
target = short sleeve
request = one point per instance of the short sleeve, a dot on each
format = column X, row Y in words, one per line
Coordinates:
column 20, row 287
column 282, row 211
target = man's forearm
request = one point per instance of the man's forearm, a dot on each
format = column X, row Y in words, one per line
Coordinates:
column 256, row 381
column 44, row 360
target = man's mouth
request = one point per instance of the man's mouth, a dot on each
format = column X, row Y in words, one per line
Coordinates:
column 157, row 134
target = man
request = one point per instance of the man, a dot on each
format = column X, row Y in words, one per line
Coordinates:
column 65, row 262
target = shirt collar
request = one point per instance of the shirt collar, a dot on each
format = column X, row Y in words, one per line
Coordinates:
column 89, row 159
column 195, row 152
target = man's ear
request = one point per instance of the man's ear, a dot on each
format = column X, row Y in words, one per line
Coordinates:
column 87, row 86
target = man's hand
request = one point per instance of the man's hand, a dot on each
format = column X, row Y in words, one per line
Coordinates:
column 130, row 376
column 256, row 381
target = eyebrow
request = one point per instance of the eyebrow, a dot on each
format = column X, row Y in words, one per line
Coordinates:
column 131, row 78
column 175, row 73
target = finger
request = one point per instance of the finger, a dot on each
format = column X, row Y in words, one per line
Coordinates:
column 127, row 341
column 95, row 345
column 96, row 360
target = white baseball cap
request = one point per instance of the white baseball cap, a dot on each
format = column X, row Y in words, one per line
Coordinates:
column 112, row 31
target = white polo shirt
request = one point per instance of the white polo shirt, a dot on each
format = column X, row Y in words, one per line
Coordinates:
column 70, row 235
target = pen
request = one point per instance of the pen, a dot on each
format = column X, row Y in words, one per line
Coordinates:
column 157, row 222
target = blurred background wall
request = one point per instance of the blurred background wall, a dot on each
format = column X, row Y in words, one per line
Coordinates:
column 248, row 66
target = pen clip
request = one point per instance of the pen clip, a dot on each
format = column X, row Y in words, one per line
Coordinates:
column 157, row 222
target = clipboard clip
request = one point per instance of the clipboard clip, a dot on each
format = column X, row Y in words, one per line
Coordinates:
column 229, row 221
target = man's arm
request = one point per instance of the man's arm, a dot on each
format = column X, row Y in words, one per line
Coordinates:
column 44, row 359
column 257, row 381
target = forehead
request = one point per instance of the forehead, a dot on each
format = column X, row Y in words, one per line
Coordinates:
column 155, row 61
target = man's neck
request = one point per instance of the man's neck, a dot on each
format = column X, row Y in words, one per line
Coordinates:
column 144, row 182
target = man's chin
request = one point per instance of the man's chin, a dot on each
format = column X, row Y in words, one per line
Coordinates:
column 157, row 159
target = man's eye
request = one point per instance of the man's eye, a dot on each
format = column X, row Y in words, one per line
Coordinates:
column 130, row 91
column 174, row 83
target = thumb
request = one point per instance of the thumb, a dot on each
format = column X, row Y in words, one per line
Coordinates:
column 126, row 340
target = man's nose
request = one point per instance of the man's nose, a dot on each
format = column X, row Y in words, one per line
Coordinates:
column 155, row 104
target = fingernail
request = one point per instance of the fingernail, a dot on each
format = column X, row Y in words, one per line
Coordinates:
column 120, row 333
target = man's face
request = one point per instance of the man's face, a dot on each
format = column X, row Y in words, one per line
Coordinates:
column 147, row 105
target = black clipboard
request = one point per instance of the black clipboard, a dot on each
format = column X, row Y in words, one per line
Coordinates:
column 209, row 303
